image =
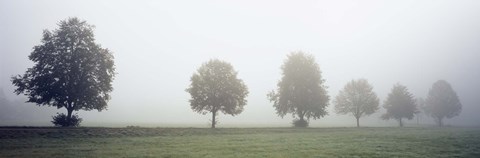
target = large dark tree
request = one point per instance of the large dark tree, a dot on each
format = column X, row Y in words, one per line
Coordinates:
column 442, row 102
column 215, row 87
column 70, row 71
column 301, row 90
column 357, row 98
column 399, row 104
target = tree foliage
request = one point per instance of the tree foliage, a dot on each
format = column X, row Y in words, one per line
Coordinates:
column 301, row 90
column 442, row 102
column 215, row 87
column 70, row 70
column 399, row 104
column 357, row 98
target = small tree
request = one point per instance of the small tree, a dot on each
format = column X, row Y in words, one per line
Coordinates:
column 215, row 87
column 442, row 102
column 300, row 91
column 399, row 104
column 357, row 98
column 71, row 71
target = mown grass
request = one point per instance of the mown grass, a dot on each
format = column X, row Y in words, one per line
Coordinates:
column 241, row 142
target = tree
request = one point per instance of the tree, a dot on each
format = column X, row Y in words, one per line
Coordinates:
column 300, row 91
column 399, row 104
column 70, row 70
column 357, row 98
column 215, row 87
column 442, row 102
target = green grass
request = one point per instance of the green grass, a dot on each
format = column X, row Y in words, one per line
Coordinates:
column 241, row 142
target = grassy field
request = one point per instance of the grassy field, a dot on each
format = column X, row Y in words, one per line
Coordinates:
column 241, row 142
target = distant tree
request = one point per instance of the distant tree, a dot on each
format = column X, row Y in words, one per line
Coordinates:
column 399, row 104
column 357, row 98
column 215, row 87
column 301, row 90
column 442, row 102
column 71, row 71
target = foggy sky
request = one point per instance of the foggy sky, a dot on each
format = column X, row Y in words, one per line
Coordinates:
column 158, row 45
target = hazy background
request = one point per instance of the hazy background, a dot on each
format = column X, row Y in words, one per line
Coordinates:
column 158, row 45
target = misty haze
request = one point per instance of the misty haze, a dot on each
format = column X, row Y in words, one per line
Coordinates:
column 240, row 78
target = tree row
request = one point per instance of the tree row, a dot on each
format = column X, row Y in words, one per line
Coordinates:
column 71, row 71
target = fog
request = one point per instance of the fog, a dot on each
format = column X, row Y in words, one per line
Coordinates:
column 158, row 45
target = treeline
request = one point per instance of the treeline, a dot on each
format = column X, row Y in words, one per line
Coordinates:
column 301, row 92
column 72, row 71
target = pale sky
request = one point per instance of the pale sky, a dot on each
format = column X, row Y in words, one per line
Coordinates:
column 159, row 44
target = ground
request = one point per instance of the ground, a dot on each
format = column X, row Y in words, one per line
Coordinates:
column 240, row 142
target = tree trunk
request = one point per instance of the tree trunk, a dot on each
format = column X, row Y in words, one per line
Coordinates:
column 214, row 113
column 302, row 119
column 400, row 121
column 358, row 122
column 301, row 115
column 69, row 113
column 69, row 116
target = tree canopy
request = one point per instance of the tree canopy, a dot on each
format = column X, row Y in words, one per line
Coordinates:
column 70, row 70
column 442, row 102
column 301, row 91
column 399, row 104
column 357, row 98
column 215, row 87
